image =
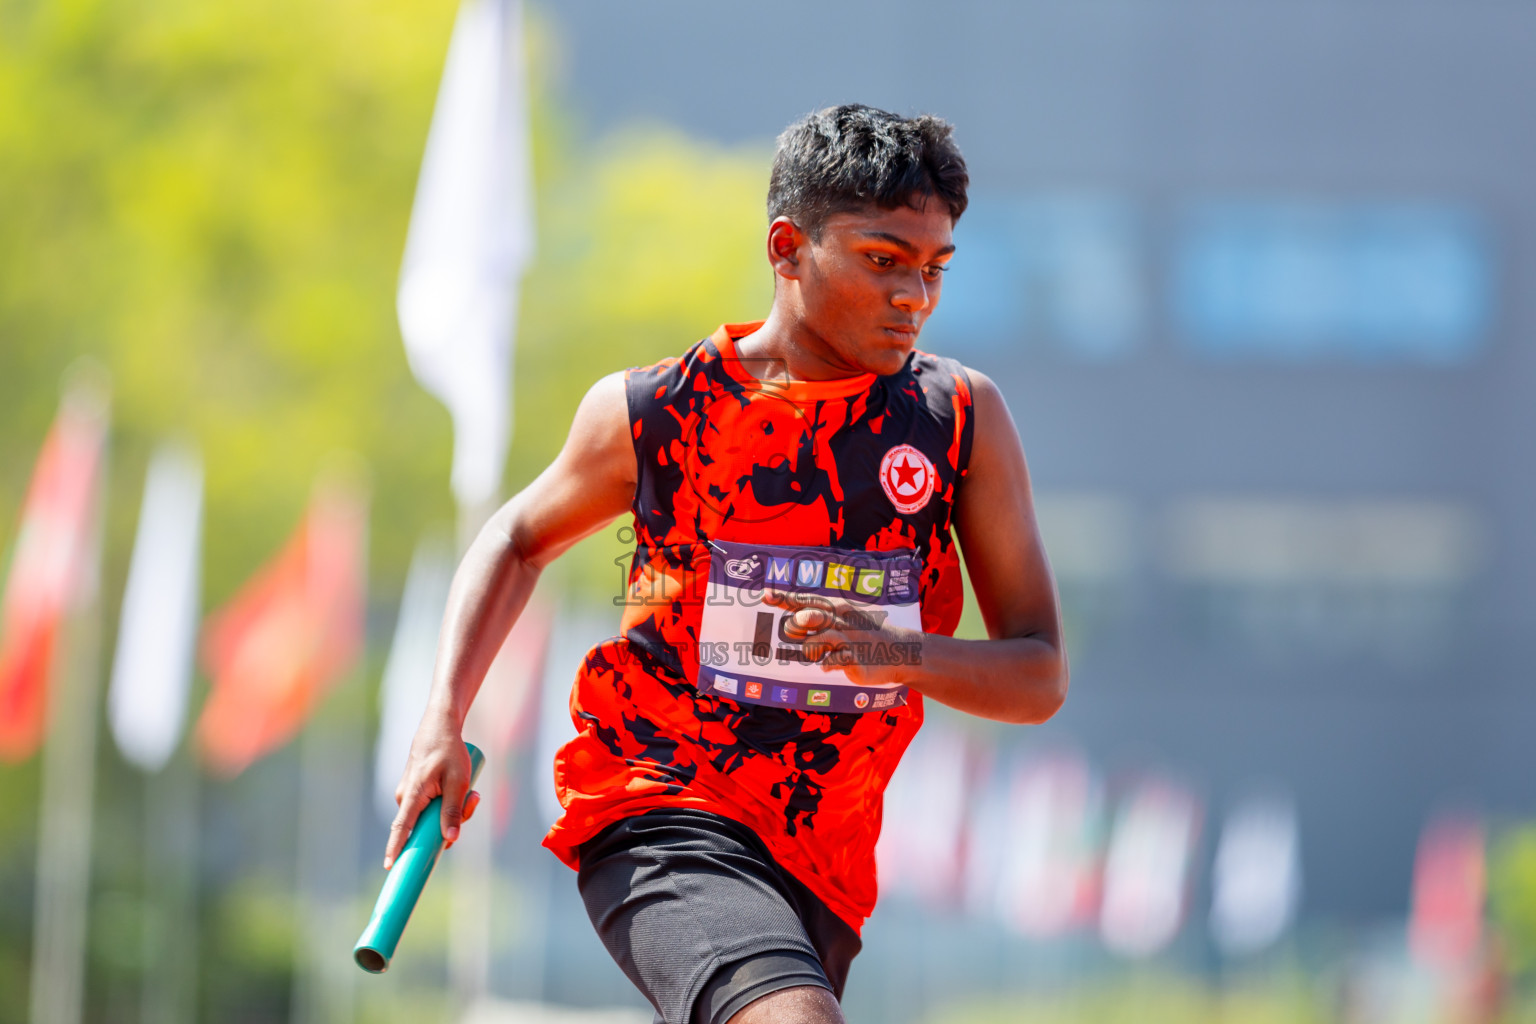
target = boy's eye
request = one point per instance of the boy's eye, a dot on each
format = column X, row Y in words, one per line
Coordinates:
column 934, row 271
column 882, row 261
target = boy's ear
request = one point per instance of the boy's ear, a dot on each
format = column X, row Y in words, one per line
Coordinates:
column 785, row 243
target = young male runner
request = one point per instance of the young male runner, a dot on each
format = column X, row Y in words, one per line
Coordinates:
column 792, row 597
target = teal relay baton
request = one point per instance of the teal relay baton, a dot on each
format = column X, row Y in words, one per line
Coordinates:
column 406, row 879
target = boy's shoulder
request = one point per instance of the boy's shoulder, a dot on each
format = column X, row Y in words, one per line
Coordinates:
column 944, row 376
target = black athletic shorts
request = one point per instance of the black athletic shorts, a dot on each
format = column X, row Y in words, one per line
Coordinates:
column 696, row 912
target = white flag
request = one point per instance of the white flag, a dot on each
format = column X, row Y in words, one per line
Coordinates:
column 1048, row 857
column 152, row 672
column 470, row 238
column 408, row 674
column 921, row 848
column 1146, row 871
column 1256, row 878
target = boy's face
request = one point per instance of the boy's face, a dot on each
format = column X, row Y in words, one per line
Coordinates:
column 872, row 280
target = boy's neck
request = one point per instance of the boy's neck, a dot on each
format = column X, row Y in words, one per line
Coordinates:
column 787, row 348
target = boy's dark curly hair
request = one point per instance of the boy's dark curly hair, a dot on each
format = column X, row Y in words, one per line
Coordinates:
column 850, row 157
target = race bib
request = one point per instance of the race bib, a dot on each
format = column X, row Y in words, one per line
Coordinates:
column 744, row 652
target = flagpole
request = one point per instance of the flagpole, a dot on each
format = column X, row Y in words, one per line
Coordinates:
column 172, row 868
column 469, row 939
column 146, row 708
column 332, row 795
column 62, row 896
column 64, row 834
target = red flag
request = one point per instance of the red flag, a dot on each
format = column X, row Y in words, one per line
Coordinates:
column 1445, row 927
column 50, row 569
column 290, row 633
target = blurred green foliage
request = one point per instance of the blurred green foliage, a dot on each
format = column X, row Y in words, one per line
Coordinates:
column 1512, row 896
column 212, row 201
column 209, row 199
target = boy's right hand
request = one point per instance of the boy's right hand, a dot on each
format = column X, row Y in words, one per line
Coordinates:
column 438, row 766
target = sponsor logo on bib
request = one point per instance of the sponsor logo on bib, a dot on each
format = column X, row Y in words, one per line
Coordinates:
column 861, row 700
column 785, row 694
column 907, row 477
column 822, row 698
column 725, row 684
column 871, row 581
column 742, row 568
column 755, row 691
column 779, row 570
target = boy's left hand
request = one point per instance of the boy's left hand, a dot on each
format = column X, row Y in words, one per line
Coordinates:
column 840, row 635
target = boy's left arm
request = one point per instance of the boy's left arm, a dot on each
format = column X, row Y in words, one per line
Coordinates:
column 1020, row 674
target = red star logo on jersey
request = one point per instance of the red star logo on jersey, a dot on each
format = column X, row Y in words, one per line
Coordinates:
column 907, row 477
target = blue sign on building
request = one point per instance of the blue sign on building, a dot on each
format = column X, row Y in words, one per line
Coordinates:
column 1366, row 282
column 1059, row 273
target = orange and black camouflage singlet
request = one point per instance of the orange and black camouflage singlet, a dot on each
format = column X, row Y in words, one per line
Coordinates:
column 863, row 464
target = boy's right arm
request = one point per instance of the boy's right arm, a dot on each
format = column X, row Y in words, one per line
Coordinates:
column 591, row 482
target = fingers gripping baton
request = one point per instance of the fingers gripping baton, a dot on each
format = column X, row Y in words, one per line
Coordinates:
column 406, row 879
